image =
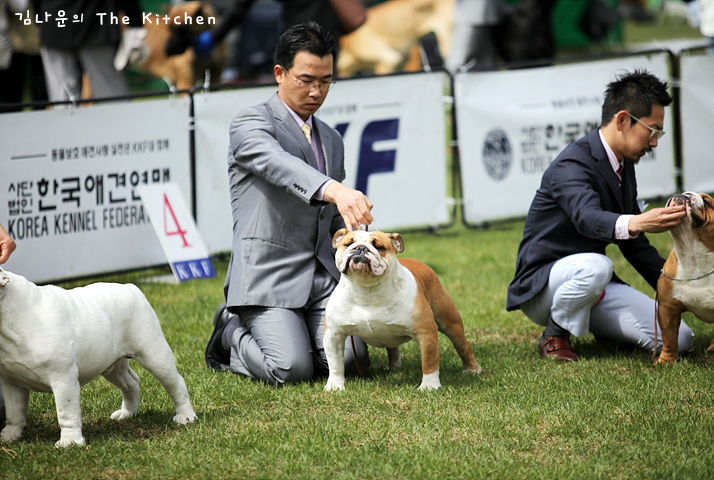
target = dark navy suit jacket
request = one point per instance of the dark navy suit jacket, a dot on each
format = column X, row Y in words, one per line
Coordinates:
column 574, row 211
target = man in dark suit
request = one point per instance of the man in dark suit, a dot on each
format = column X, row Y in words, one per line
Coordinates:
column 285, row 167
column 586, row 201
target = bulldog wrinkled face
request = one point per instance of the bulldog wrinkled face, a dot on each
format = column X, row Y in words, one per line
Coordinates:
column 366, row 254
column 700, row 215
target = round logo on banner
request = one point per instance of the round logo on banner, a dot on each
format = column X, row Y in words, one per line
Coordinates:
column 497, row 154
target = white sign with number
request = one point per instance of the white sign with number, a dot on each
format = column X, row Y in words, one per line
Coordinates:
column 176, row 231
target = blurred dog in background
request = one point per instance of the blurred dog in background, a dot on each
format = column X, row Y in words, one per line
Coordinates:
column 386, row 42
column 163, row 52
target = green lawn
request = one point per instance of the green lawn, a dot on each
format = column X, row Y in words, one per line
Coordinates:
column 612, row 415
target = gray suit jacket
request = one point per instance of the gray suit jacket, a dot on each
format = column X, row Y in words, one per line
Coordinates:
column 279, row 231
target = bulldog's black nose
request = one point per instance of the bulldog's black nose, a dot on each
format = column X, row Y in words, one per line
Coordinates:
column 360, row 254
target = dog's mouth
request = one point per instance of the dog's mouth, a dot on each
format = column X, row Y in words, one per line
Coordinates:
column 695, row 206
column 358, row 260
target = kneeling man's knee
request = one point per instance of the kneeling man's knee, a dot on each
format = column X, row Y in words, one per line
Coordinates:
column 601, row 269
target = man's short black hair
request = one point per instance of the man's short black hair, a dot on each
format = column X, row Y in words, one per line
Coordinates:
column 309, row 37
column 635, row 92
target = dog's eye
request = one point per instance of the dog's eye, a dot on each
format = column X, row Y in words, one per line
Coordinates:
column 379, row 247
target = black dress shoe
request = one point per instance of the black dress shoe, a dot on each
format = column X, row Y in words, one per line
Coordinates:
column 217, row 357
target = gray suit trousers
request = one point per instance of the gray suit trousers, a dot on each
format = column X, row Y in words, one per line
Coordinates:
column 283, row 345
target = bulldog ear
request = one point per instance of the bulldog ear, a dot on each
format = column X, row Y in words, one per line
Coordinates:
column 397, row 242
column 338, row 236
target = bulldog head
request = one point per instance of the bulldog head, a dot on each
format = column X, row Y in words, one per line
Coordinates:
column 699, row 223
column 366, row 257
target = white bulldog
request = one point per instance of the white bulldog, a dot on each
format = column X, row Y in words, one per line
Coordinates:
column 56, row 340
column 387, row 302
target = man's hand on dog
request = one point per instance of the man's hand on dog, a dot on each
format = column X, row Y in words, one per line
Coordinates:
column 353, row 205
column 657, row 220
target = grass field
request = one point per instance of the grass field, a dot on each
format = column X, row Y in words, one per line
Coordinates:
column 612, row 415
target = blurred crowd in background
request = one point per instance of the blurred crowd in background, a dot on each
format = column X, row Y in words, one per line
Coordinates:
column 41, row 61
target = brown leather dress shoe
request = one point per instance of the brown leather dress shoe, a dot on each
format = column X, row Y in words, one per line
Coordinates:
column 558, row 348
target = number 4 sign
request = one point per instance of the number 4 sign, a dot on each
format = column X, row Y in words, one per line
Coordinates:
column 176, row 231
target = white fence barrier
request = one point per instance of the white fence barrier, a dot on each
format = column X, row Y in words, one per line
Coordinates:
column 697, row 105
column 68, row 174
column 511, row 124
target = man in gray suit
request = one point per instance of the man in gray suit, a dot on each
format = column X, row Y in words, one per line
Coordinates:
column 285, row 167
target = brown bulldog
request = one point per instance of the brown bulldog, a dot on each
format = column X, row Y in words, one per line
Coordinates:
column 387, row 302
column 687, row 280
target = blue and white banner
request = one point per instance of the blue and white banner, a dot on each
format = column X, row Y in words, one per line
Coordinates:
column 67, row 189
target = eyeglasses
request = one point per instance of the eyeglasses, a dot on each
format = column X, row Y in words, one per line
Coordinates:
column 654, row 132
column 322, row 85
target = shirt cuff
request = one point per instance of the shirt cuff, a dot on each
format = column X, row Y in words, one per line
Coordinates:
column 622, row 230
column 320, row 194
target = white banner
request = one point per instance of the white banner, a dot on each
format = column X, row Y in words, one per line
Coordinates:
column 697, row 106
column 511, row 124
column 68, row 179
column 394, row 129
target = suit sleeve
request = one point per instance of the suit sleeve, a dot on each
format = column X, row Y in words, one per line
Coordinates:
column 641, row 254
column 254, row 147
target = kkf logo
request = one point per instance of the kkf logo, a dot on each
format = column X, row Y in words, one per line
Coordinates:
column 497, row 154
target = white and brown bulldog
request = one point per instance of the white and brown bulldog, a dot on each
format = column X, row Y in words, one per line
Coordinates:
column 388, row 302
column 687, row 280
column 56, row 340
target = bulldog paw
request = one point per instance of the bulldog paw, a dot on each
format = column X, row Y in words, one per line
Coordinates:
column 430, row 381
column 183, row 419
column 122, row 414
column 10, row 434
column 334, row 384
column 666, row 359
column 70, row 441
column 476, row 370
